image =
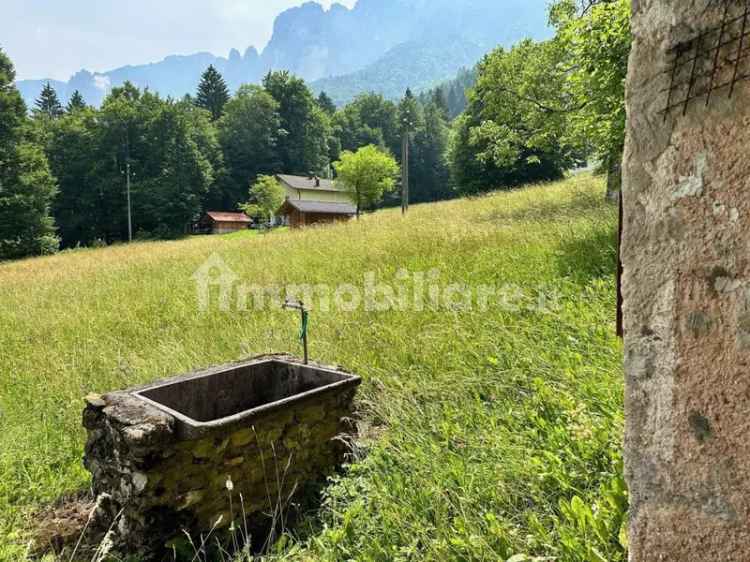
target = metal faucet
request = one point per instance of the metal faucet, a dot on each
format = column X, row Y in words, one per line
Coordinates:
column 304, row 316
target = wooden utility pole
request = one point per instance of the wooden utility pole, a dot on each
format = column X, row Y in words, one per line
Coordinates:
column 405, row 173
column 127, row 185
column 130, row 211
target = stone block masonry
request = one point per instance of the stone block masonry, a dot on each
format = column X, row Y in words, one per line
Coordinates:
column 162, row 472
column 686, row 283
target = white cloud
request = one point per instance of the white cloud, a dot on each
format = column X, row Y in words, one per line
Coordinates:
column 102, row 82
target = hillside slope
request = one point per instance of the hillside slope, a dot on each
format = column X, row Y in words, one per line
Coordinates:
column 485, row 433
column 414, row 65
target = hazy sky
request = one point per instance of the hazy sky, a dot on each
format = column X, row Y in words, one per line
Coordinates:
column 55, row 38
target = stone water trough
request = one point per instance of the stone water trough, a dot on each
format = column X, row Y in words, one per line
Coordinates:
column 162, row 455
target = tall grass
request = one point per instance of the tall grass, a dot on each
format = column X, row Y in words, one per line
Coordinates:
column 489, row 434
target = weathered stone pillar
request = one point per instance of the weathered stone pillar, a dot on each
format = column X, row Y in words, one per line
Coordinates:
column 686, row 285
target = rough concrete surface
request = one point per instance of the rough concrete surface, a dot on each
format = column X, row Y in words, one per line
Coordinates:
column 686, row 288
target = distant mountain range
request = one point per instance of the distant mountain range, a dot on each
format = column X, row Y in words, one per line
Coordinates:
column 378, row 45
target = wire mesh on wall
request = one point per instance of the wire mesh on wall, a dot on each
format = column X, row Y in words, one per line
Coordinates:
column 713, row 62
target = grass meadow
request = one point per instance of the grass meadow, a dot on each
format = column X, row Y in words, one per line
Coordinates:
column 486, row 434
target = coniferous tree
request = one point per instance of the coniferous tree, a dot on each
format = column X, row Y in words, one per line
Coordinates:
column 26, row 185
column 453, row 93
column 408, row 120
column 326, row 103
column 213, row 93
column 408, row 112
column 48, row 104
column 438, row 99
column 76, row 102
column 430, row 177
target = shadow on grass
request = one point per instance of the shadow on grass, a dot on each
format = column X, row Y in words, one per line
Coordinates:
column 590, row 253
column 582, row 203
column 67, row 530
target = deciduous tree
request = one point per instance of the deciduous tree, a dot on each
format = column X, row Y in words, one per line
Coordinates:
column 78, row 161
column 369, row 119
column 516, row 127
column 249, row 133
column 366, row 175
column 595, row 37
column 266, row 196
column 303, row 149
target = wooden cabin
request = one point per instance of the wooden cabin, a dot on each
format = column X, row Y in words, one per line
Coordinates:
column 313, row 200
column 215, row 222
column 305, row 213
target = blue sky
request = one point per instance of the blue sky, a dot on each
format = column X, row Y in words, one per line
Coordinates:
column 55, row 38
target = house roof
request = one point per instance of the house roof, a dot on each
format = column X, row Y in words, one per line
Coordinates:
column 303, row 182
column 321, row 207
column 228, row 217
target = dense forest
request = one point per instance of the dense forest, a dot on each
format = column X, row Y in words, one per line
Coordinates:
column 454, row 92
column 525, row 114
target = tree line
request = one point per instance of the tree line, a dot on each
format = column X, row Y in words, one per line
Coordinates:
column 531, row 113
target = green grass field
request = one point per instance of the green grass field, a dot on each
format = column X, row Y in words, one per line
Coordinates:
column 489, row 435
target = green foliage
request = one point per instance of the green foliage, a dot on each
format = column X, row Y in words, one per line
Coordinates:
column 26, row 192
column 76, row 102
column 409, row 115
column 369, row 119
column 475, row 427
column 26, row 185
column 249, row 133
column 521, row 109
column 303, row 149
column 438, row 99
column 12, row 108
column 174, row 158
column 48, row 104
column 452, row 92
column 429, row 175
column 326, row 103
column 367, row 174
column 597, row 47
column 515, row 127
column 266, row 196
column 213, row 93
column 540, row 108
column 587, row 532
column 372, row 120
column 175, row 175
column 76, row 157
